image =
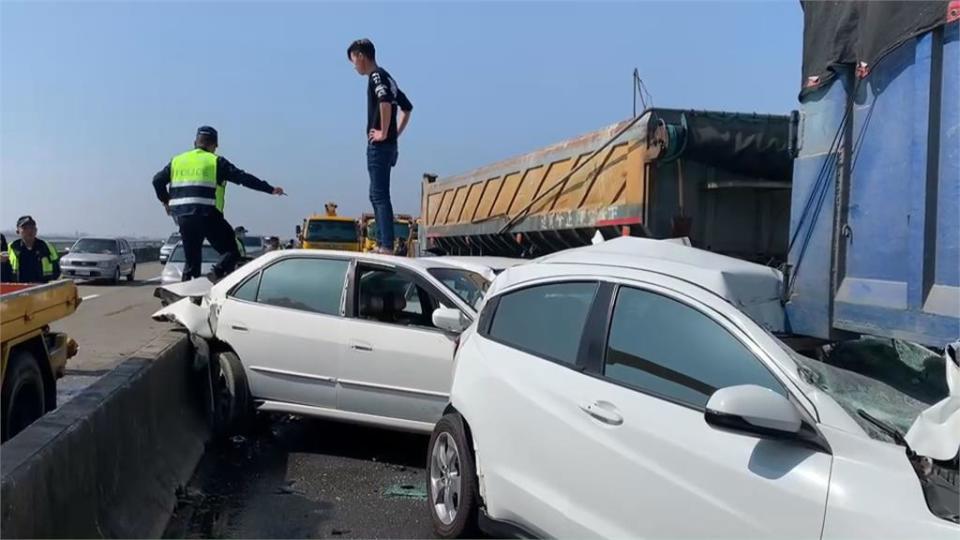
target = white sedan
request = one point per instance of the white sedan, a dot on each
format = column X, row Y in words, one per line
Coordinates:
column 333, row 334
column 633, row 389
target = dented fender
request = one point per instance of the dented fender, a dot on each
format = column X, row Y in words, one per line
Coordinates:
column 196, row 317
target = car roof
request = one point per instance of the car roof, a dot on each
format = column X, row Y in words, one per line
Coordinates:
column 753, row 288
column 421, row 263
column 494, row 263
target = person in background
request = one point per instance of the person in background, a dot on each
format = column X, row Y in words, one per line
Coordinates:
column 6, row 273
column 384, row 127
column 192, row 188
column 273, row 244
column 241, row 233
column 31, row 259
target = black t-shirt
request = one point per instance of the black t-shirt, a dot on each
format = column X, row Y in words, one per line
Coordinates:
column 381, row 88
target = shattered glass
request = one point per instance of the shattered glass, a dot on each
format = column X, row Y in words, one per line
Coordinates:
column 892, row 380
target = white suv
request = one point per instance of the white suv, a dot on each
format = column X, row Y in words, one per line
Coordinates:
column 624, row 390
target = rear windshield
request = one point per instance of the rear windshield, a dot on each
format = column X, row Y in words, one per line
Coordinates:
column 210, row 255
column 102, row 246
column 331, row 231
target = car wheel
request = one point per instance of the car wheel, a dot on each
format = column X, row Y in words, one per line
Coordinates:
column 22, row 393
column 452, row 480
column 133, row 272
column 116, row 276
column 233, row 405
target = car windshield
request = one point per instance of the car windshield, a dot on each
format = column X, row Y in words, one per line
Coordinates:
column 210, row 255
column 102, row 246
column 331, row 231
column 174, row 238
column 468, row 285
column 400, row 230
column 892, row 397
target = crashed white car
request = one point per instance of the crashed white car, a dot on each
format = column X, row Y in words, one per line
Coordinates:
column 357, row 337
column 633, row 389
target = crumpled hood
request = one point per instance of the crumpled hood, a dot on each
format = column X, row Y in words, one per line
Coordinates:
column 936, row 431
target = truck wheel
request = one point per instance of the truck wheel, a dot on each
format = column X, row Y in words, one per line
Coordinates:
column 133, row 272
column 452, row 491
column 23, row 401
column 233, row 404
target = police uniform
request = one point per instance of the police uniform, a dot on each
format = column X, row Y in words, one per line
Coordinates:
column 39, row 264
column 196, row 195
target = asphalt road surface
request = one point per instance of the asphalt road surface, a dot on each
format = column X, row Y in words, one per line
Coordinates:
column 112, row 322
column 304, row 478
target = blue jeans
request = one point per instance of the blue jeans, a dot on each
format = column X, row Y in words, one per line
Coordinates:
column 380, row 159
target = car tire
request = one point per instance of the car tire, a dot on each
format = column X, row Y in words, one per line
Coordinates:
column 133, row 273
column 116, row 276
column 233, row 409
column 22, row 394
column 454, row 499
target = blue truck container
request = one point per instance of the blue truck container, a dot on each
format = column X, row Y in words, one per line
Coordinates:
column 875, row 206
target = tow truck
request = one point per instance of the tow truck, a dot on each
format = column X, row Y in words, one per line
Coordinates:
column 329, row 231
column 403, row 224
column 34, row 357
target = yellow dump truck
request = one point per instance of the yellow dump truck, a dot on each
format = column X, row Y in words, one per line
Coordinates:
column 721, row 179
column 403, row 232
column 33, row 356
column 329, row 231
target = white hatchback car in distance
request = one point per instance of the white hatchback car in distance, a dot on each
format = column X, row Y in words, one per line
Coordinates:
column 633, row 389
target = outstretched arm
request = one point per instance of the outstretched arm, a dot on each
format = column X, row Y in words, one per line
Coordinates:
column 228, row 172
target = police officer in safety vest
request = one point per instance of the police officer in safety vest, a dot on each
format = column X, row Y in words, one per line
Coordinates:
column 31, row 259
column 192, row 189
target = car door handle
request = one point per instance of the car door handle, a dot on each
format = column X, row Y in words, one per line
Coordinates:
column 603, row 411
column 358, row 346
column 239, row 328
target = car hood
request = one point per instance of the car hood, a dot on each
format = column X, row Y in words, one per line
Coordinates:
column 88, row 257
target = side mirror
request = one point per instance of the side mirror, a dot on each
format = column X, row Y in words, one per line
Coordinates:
column 753, row 409
column 450, row 319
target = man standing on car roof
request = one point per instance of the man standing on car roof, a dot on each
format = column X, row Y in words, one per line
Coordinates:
column 197, row 180
column 31, row 259
column 383, row 128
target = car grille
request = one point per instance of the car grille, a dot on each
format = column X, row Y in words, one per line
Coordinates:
column 85, row 263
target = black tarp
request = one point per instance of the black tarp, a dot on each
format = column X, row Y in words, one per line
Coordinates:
column 754, row 145
column 858, row 34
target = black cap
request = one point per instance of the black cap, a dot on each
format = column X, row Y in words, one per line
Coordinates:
column 25, row 220
column 207, row 131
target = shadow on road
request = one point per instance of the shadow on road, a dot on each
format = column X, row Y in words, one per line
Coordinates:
column 304, row 478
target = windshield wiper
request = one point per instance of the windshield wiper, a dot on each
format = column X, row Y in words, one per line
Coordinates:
column 893, row 432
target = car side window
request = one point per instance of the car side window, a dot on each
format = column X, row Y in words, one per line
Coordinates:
column 545, row 320
column 664, row 347
column 248, row 290
column 306, row 284
column 387, row 296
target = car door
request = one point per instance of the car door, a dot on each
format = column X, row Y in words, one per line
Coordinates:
column 529, row 342
column 285, row 323
column 397, row 364
column 652, row 466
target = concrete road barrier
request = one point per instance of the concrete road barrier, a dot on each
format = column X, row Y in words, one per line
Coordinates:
column 107, row 464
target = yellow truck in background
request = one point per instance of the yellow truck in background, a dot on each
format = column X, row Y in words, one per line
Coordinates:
column 34, row 357
column 329, row 231
column 404, row 228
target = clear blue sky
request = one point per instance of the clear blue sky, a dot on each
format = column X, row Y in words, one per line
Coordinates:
column 96, row 97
